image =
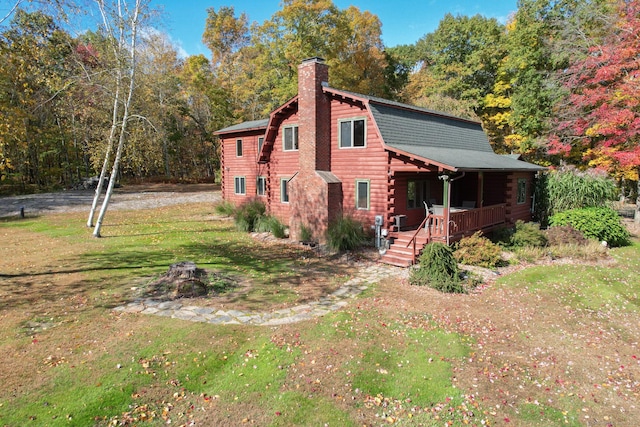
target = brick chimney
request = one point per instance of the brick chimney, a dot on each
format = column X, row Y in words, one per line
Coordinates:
column 315, row 193
column 313, row 116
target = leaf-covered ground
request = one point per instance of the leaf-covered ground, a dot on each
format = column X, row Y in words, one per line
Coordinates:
column 554, row 344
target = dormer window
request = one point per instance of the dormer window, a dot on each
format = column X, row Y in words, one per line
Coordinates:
column 352, row 133
column 290, row 138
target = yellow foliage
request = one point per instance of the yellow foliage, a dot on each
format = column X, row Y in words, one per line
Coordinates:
column 593, row 131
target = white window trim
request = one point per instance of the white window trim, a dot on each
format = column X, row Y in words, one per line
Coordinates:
column 260, row 143
column 284, row 182
column 368, row 182
column 240, row 144
column 297, row 138
column 243, row 180
column 351, row 120
column 264, row 180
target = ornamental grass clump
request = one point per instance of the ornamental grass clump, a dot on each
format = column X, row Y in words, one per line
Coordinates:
column 602, row 224
column 247, row 215
column 438, row 269
column 345, row 234
column 568, row 188
column 272, row 225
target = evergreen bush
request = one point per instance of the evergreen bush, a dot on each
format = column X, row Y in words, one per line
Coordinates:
column 345, row 234
column 601, row 223
column 478, row 250
column 438, row 269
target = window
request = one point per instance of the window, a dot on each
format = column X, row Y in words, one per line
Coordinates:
column 284, row 190
column 239, row 185
column 351, row 133
column 261, row 186
column 238, row 148
column 418, row 192
column 290, row 138
column 260, row 143
column 522, row 191
column 362, row 194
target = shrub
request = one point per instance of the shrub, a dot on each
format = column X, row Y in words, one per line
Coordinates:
column 565, row 235
column 225, row 208
column 527, row 234
column 247, row 215
column 345, row 234
column 272, row 225
column 602, row 224
column 568, row 188
column 589, row 251
column 530, row 254
column 477, row 250
column 438, row 269
column 305, row 234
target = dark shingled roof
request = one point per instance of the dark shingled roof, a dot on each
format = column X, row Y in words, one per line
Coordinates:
column 254, row 124
column 446, row 140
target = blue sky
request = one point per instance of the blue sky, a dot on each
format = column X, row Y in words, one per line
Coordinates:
column 403, row 21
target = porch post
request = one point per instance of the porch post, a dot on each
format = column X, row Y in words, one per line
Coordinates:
column 480, row 195
column 446, row 196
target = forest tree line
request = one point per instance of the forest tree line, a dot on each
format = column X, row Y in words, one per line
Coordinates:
column 558, row 83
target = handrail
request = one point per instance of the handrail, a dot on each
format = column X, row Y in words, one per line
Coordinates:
column 414, row 238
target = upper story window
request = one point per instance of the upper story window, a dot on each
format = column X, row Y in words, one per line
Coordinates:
column 238, row 148
column 290, row 138
column 352, row 133
column 522, row 191
column 260, row 144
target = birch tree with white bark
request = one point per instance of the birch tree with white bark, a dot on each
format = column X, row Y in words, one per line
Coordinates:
column 121, row 21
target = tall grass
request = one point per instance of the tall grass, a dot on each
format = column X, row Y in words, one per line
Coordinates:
column 568, row 188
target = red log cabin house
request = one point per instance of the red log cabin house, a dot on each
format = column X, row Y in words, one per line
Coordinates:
column 419, row 175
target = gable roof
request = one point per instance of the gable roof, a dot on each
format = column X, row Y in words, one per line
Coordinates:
column 454, row 143
column 457, row 143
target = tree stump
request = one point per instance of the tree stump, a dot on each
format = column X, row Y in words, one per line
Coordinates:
column 183, row 280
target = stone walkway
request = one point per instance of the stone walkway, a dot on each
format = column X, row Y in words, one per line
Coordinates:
column 367, row 276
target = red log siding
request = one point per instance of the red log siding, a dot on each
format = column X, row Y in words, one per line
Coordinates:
column 494, row 188
column 283, row 165
column 245, row 166
column 359, row 163
column 517, row 211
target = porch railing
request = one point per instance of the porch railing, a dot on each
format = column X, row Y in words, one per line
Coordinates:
column 461, row 222
column 466, row 221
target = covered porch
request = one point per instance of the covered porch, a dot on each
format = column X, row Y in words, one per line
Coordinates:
column 446, row 226
column 443, row 208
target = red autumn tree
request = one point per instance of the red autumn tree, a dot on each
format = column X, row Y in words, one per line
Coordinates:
column 600, row 123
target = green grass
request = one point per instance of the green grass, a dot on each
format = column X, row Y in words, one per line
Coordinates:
column 364, row 364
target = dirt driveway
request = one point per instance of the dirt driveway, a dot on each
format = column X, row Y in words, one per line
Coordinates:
column 126, row 198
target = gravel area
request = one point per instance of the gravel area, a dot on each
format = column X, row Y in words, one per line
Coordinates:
column 126, row 198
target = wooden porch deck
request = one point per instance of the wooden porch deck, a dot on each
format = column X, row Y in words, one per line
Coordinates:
column 407, row 244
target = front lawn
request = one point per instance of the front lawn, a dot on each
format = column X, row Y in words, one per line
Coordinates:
column 552, row 345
